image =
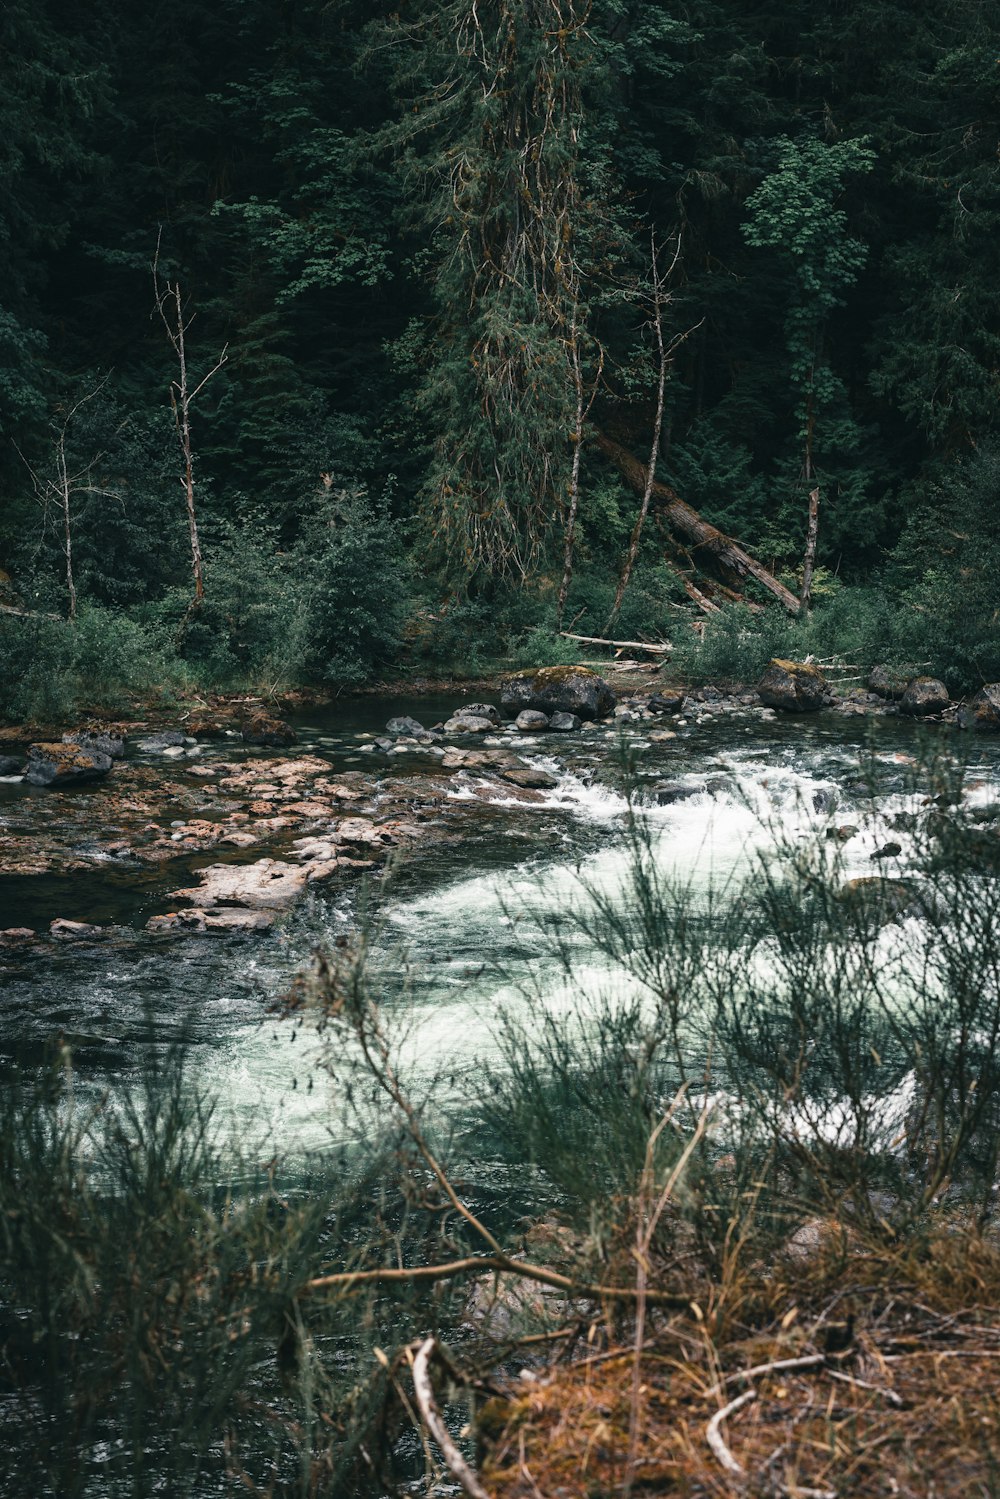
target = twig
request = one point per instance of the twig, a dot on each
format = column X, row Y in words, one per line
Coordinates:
column 431, row 1417
column 780, row 1365
column 714, row 1438
column 864, row 1384
column 475, row 1265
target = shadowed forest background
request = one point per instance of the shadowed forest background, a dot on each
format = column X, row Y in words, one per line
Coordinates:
column 460, row 264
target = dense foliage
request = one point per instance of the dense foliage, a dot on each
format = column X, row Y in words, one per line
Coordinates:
column 422, row 236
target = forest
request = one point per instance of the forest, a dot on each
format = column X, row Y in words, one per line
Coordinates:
column 589, row 1091
column 340, row 338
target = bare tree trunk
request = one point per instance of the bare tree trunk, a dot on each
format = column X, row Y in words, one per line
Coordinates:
column 809, row 558
column 716, row 550
column 65, row 492
column 660, row 296
column 181, row 400
column 582, row 412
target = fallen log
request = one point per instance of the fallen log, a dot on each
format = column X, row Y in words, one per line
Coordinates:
column 712, row 545
column 620, row 645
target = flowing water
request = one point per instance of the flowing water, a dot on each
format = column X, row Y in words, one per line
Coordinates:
column 456, row 933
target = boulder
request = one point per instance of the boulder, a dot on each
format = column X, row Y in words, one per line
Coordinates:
column 269, row 884
column 875, row 899
column 478, row 759
column 64, row 930
column 483, row 710
column 563, row 723
column 11, row 765
column 889, row 850
column 468, row 723
column 982, row 711
column 668, row 792
column 265, row 729
column 558, row 689
column 793, row 686
column 669, row 700
column 405, row 728
column 889, row 681
column 530, row 721
column 923, row 696
column 168, row 739
column 61, row 765
column 112, row 745
column 236, row 919
column 530, row 777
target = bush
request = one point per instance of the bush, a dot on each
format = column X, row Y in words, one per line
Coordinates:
column 56, row 667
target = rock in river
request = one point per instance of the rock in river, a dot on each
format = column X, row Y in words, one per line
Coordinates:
column 405, row 728
column 265, row 729
column 531, row 721
column 558, row 689
column 923, row 696
column 61, row 765
column 564, row 723
column 11, row 765
column 982, row 711
column 792, row 685
column 95, row 739
column 468, row 723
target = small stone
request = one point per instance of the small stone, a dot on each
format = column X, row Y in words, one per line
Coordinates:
column 404, row 727
column 74, row 931
column 888, row 851
column 174, row 752
column 466, row 723
column 530, row 721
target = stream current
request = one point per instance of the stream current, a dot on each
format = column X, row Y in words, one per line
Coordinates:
column 455, row 928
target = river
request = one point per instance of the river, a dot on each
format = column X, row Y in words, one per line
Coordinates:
column 456, row 928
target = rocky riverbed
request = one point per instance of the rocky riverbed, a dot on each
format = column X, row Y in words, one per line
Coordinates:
column 225, row 820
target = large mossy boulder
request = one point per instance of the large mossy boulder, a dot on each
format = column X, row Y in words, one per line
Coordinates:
column 558, row 689
column 924, row 696
column 982, row 711
column 59, row 765
column 793, row 686
column 890, row 682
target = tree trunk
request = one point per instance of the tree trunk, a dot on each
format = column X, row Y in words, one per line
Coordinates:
column 809, row 558
column 715, row 550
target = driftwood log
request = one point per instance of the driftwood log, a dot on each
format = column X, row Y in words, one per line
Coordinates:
column 712, row 549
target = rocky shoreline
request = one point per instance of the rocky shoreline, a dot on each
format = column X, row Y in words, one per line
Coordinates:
column 276, row 822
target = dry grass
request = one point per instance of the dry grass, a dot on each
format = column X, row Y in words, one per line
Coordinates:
column 910, row 1407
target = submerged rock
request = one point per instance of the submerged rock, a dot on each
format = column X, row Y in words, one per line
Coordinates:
column 665, row 793
column 923, row 696
column 61, row 765
column 11, row 765
column 982, row 712
column 793, row 686
column 558, row 689
column 169, row 739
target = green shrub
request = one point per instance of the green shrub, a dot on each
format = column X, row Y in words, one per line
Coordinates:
column 56, row 667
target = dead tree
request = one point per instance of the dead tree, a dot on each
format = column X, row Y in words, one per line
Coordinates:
column 584, row 402
column 170, row 306
column 660, row 298
column 713, row 551
column 58, row 490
